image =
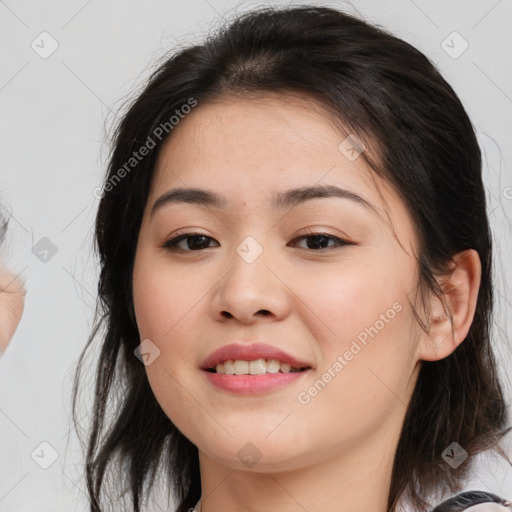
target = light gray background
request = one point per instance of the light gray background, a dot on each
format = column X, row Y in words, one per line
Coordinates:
column 52, row 131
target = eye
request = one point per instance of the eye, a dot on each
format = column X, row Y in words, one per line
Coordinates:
column 320, row 241
column 188, row 242
column 192, row 242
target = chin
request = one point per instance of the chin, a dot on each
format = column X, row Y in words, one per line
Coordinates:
column 257, row 453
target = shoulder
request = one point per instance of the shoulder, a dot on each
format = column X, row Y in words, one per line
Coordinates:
column 475, row 501
column 486, row 488
column 468, row 501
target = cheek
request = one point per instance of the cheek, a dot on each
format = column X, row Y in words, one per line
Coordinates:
column 365, row 379
column 362, row 320
column 169, row 306
column 164, row 297
column 362, row 299
column 165, row 302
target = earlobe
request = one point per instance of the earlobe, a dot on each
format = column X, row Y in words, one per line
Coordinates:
column 450, row 322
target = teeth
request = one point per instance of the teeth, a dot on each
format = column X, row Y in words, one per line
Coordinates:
column 241, row 367
column 227, row 368
column 285, row 367
column 273, row 366
column 256, row 367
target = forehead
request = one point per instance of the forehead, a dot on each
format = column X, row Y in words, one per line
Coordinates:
column 268, row 141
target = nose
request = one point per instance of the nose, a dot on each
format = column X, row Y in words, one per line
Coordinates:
column 251, row 291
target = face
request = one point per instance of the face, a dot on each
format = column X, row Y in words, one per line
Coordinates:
column 322, row 279
column 11, row 306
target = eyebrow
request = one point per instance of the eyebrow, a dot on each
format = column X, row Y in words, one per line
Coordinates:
column 280, row 201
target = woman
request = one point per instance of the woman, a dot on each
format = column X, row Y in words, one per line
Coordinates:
column 294, row 242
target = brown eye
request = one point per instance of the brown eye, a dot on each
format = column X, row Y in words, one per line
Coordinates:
column 188, row 242
column 320, row 241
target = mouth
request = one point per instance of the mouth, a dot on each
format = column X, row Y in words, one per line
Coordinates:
column 255, row 367
column 252, row 359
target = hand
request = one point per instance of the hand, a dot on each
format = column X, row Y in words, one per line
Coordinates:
column 12, row 299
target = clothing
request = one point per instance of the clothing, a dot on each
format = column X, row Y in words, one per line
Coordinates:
column 474, row 501
column 471, row 501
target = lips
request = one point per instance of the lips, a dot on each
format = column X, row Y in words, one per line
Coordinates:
column 251, row 352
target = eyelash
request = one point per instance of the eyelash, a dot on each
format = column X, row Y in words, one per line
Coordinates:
column 171, row 244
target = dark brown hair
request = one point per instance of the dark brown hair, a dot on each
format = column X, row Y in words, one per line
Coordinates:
column 393, row 98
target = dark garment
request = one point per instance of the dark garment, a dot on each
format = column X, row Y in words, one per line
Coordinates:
column 468, row 499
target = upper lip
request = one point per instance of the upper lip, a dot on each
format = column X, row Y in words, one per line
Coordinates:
column 251, row 352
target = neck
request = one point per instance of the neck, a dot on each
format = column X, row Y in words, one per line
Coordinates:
column 356, row 478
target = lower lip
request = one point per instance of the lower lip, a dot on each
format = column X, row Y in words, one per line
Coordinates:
column 252, row 384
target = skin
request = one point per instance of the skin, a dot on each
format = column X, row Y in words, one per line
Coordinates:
column 336, row 452
column 12, row 298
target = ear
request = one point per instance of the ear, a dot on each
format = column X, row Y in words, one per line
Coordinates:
column 450, row 325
